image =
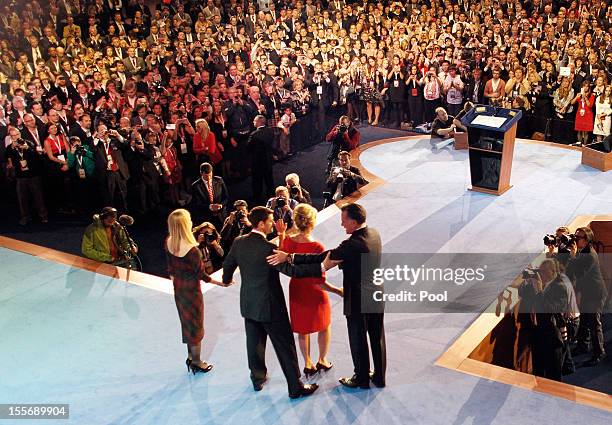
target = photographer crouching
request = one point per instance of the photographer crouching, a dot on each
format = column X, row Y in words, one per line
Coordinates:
column 209, row 244
column 343, row 179
column 106, row 240
column 343, row 137
column 550, row 295
column 296, row 191
column 236, row 224
column 282, row 205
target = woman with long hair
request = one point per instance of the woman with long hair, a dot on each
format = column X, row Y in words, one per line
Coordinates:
column 564, row 112
column 205, row 145
column 603, row 112
column 308, row 301
column 219, row 127
column 186, row 269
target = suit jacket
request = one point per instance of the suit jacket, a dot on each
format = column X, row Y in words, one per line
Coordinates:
column 350, row 185
column 261, row 295
column 199, row 190
column 116, row 149
column 129, row 67
column 360, row 252
column 585, row 272
column 77, row 130
column 262, row 146
column 468, row 91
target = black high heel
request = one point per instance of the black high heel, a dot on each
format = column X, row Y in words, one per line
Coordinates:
column 188, row 363
column 321, row 366
column 310, row 371
column 197, row 368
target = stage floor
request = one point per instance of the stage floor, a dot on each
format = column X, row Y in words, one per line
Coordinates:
column 113, row 350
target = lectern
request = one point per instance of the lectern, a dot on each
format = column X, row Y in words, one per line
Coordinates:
column 491, row 134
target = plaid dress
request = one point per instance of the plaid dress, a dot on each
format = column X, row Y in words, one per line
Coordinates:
column 186, row 274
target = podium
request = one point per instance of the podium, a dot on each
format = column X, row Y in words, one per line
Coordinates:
column 598, row 155
column 491, row 134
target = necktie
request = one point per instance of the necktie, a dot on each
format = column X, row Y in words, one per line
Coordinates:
column 210, row 191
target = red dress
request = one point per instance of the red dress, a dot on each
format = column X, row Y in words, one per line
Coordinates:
column 309, row 304
column 187, row 272
column 585, row 121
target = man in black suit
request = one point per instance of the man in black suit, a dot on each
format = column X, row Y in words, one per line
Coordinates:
column 358, row 256
column 344, row 179
column 261, row 147
column 262, row 302
column 210, row 197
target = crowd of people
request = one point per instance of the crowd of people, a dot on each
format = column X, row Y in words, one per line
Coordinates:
column 120, row 101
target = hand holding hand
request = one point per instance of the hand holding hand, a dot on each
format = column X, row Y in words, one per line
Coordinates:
column 277, row 258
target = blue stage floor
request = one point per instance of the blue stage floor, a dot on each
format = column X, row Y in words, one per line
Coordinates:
column 113, row 350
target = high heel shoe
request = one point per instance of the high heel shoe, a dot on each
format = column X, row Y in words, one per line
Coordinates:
column 310, row 371
column 197, row 368
column 321, row 366
column 188, row 363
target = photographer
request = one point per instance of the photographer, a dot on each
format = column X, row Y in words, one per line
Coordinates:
column 24, row 164
column 583, row 268
column 558, row 245
column 209, row 245
column 283, row 206
column 111, row 170
column 297, row 192
column 343, row 137
column 551, row 296
column 105, row 240
column 81, row 162
column 236, row 224
column 344, row 179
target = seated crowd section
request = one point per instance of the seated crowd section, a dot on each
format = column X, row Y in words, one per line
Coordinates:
column 121, row 101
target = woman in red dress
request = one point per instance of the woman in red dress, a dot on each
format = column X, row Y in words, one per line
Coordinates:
column 58, row 176
column 584, row 113
column 308, row 301
column 205, row 145
column 186, row 269
column 174, row 175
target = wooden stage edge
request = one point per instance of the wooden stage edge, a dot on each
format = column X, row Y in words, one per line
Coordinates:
column 455, row 358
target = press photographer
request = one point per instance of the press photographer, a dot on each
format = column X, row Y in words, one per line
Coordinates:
column 236, row 224
column 209, row 244
column 550, row 295
column 343, row 179
column 343, row 137
column 559, row 245
column 283, row 206
column 296, row 191
column 106, row 240
column 584, row 270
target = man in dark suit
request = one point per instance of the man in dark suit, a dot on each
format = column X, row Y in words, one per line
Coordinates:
column 261, row 147
column 111, row 168
column 344, row 179
column 210, row 197
column 584, row 270
column 262, row 303
column 358, row 256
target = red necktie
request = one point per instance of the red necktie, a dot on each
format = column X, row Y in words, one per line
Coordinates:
column 210, row 191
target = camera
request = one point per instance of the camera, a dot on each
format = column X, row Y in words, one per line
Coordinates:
column 210, row 237
column 80, row 150
column 530, row 273
column 281, row 202
column 339, row 176
column 22, row 142
column 240, row 215
column 342, row 128
column 550, row 240
column 294, row 191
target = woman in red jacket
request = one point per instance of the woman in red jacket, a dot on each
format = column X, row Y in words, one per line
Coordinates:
column 205, row 145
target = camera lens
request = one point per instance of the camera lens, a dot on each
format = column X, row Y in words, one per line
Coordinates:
column 281, row 202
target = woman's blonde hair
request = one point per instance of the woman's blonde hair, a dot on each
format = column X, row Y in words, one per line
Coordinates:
column 179, row 229
column 304, row 217
column 202, row 123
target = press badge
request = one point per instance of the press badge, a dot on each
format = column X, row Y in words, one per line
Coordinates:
column 81, row 173
column 396, row 83
column 23, row 164
column 319, row 89
column 183, row 148
column 109, row 160
column 414, row 92
column 61, row 158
